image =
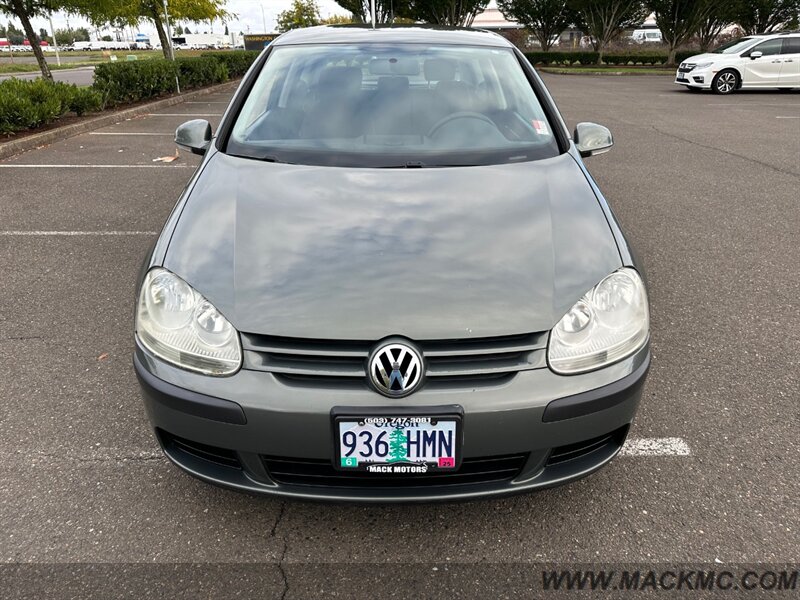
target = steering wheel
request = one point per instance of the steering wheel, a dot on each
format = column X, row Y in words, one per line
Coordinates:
column 458, row 116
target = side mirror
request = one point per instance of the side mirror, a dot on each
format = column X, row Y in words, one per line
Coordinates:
column 194, row 135
column 591, row 139
column 756, row 54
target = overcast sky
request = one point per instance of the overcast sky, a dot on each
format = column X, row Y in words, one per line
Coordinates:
column 248, row 16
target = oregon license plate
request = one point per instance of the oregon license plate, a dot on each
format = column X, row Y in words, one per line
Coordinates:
column 396, row 444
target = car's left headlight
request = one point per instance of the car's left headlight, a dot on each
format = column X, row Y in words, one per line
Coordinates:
column 179, row 326
column 610, row 322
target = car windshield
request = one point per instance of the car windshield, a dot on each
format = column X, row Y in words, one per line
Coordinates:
column 734, row 46
column 400, row 105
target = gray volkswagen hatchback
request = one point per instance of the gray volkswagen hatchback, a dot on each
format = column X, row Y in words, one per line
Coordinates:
column 391, row 279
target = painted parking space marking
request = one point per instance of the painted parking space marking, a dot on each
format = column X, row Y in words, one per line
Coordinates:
column 668, row 446
column 72, row 233
column 126, row 133
column 209, row 102
column 787, row 117
column 184, row 114
column 165, row 167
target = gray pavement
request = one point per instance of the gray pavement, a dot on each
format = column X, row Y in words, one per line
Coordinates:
column 706, row 188
column 80, row 76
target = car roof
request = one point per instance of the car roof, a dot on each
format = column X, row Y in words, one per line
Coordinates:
column 413, row 34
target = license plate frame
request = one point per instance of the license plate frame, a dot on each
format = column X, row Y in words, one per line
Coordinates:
column 348, row 414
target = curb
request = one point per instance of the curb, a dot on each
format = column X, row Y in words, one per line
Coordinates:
column 37, row 140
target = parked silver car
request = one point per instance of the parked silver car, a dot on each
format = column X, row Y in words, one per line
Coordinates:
column 391, row 279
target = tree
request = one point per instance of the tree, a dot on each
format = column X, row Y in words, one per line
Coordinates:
column 360, row 9
column 451, row 13
column 302, row 13
column 336, row 20
column 25, row 10
column 107, row 38
column 133, row 12
column 605, row 20
column 226, row 29
column 545, row 18
column 15, row 36
column 679, row 20
column 179, row 30
column 718, row 19
column 65, row 37
column 764, row 16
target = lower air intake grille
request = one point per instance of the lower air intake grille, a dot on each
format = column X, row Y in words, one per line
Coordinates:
column 563, row 454
column 220, row 456
column 310, row 472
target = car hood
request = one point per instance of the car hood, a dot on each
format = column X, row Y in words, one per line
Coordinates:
column 701, row 58
column 346, row 253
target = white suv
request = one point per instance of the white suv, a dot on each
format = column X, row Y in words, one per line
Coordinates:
column 756, row 61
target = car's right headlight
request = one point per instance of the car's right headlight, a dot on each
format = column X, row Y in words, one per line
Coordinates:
column 703, row 65
column 178, row 325
column 610, row 322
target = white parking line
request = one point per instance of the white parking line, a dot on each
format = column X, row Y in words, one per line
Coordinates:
column 670, row 446
column 209, row 102
column 72, row 233
column 125, row 133
column 787, row 117
column 184, row 114
column 13, row 166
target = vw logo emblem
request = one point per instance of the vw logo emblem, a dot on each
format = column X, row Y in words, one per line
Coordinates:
column 395, row 369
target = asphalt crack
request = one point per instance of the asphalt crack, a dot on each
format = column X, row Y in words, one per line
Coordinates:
column 281, row 562
column 728, row 152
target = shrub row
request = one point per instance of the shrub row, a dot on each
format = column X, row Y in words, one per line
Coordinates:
column 123, row 82
column 31, row 104
column 237, row 61
column 585, row 57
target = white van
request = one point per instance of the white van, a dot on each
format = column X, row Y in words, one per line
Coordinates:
column 643, row 36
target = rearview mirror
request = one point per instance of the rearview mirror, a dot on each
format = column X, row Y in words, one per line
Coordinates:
column 756, row 54
column 194, row 135
column 591, row 139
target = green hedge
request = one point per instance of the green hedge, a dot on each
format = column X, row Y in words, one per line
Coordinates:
column 587, row 57
column 237, row 61
column 199, row 71
column 31, row 104
column 123, row 82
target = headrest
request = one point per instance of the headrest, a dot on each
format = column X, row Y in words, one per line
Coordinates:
column 392, row 84
column 394, row 66
column 344, row 79
column 440, row 69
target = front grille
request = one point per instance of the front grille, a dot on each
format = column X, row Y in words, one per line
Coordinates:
column 343, row 362
column 220, row 456
column 311, row 472
column 686, row 67
column 563, row 454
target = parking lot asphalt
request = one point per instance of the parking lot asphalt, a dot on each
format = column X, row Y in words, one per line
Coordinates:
column 706, row 188
column 80, row 76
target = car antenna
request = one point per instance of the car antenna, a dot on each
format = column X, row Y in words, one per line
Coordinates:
column 372, row 11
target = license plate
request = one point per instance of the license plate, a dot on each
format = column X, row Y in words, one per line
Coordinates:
column 682, row 78
column 398, row 444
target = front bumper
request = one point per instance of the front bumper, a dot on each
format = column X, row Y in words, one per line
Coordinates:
column 255, row 433
column 696, row 78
